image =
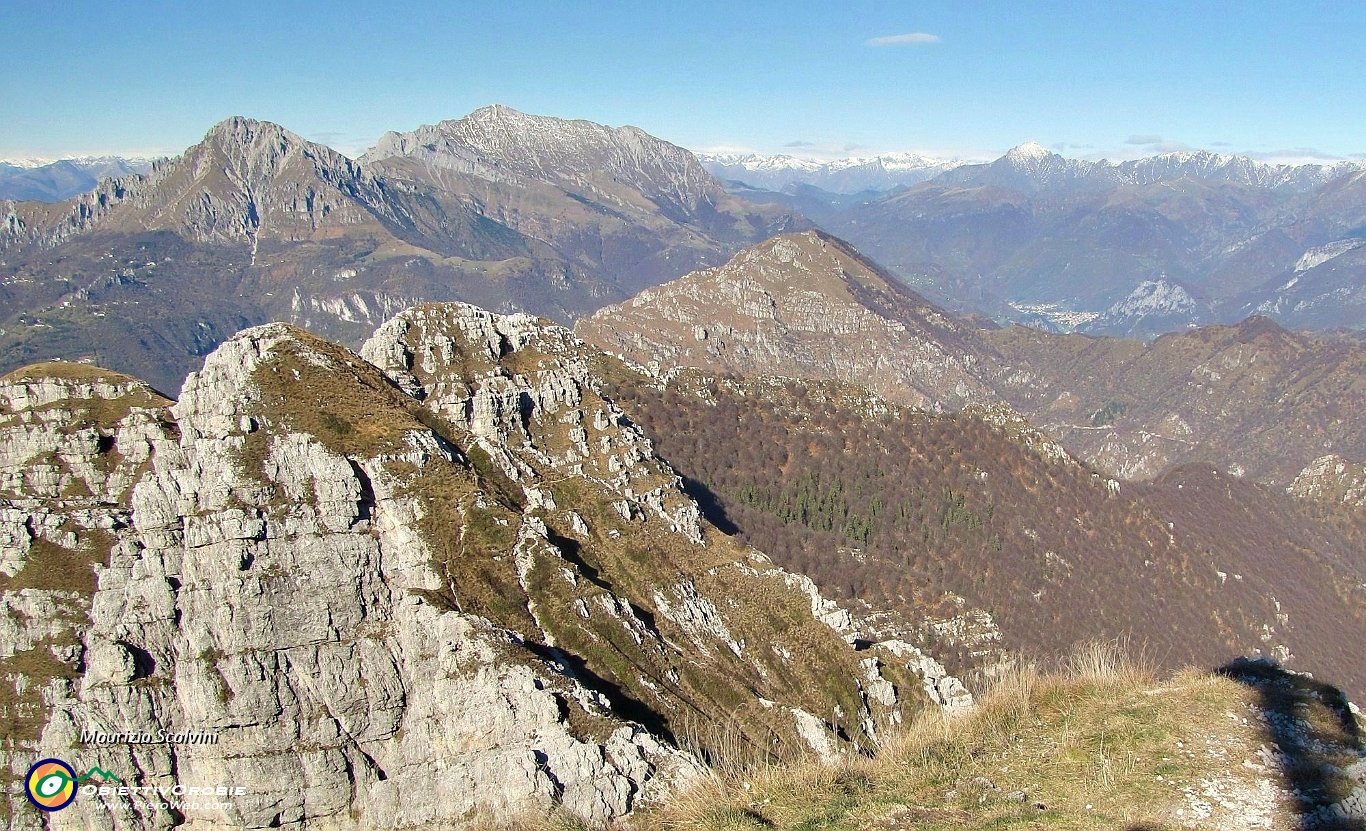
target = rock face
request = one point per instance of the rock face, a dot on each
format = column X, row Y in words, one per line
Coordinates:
column 1332, row 479
column 464, row 566
column 801, row 305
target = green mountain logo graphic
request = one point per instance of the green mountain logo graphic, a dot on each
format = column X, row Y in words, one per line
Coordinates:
column 105, row 776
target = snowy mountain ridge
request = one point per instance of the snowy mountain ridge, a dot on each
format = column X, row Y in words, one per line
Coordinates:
column 848, row 175
column 32, row 162
column 1031, row 165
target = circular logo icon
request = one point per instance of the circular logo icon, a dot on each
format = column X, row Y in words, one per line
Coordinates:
column 51, row 784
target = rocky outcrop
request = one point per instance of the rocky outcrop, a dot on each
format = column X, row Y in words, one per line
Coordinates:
column 471, row 570
column 1332, row 478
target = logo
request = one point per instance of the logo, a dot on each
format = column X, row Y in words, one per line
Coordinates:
column 51, row 784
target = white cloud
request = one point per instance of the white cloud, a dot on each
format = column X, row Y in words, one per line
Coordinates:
column 909, row 39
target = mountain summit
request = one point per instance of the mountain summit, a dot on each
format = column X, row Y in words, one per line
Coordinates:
column 800, row 305
column 501, row 144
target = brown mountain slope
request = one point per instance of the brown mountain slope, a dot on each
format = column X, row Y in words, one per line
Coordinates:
column 901, row 512
column 1251, row 397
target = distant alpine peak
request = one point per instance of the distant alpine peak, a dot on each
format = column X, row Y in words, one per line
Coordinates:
column 1029, row 150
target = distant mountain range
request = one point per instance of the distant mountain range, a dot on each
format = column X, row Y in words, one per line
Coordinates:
column 842, row 176
column 149, row 272
column 1029, row 166
column 1133, row 249
column 47, row 180
column 516, row 212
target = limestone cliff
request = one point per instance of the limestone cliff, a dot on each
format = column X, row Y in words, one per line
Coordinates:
column 447, row 581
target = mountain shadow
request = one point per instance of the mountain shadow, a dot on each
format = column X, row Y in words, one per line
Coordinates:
column 1317, row 743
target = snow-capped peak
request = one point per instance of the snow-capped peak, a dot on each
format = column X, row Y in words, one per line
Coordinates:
column 1029, row 150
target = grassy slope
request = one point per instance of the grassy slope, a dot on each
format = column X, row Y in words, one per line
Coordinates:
column 1099, row 745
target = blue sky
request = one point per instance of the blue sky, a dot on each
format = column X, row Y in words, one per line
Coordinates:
column 1090, row 79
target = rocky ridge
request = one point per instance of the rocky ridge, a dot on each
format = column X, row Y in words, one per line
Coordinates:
column 500, row 144
column 472, row 567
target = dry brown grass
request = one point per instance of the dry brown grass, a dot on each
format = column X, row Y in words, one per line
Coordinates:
column 532, row 820
column 1091, row 745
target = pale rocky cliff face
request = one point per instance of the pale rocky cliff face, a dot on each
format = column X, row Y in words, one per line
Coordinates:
column 499, row 589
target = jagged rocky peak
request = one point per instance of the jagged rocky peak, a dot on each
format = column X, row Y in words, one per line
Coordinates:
column 261, row 145
column 523, row 385
column 498, row 143
column 245, row 178
column 803, row 305
column 255, row 154
column 464, row 560
column 246, row 133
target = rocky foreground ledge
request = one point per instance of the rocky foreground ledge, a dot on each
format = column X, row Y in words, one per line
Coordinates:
column 437, row 581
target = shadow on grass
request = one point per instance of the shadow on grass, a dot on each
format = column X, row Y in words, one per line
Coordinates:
column 1315, row 740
